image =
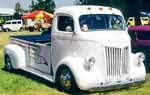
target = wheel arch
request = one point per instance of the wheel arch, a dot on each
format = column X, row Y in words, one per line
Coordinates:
column 75, row 65
column 62, row 66
column 7, row 29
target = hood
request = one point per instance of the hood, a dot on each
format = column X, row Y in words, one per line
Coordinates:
column 108, row 38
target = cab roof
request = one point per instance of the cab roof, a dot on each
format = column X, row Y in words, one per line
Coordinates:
column 86, row 9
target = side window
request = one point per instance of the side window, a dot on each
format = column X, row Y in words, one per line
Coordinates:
column 8, row 23
column 19, row 22
column 131, row 19
column 14, row 22
column 65, row 23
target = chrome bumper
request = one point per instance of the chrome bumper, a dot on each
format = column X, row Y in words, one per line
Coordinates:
column 117, row 86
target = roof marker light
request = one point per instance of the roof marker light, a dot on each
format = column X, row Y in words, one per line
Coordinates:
column 110, row 8
column 89, row 8
column 100, row 8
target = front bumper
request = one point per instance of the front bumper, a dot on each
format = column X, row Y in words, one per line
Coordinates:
column 116, row 85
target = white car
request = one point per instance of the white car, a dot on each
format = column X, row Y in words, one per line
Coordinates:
column 13, row 25
column 88, row 48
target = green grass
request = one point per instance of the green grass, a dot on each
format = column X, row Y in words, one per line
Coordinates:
column 22, row 83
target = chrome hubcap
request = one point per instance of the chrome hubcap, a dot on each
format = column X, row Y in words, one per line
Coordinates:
column 65, row 79
column 8, row 63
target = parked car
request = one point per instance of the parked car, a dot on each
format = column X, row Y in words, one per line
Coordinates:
column 13, row 25
column 140, row 35
column 135, row 21
column 38, row 24
column 82, row 51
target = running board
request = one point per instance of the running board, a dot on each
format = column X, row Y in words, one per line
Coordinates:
column 38, row 73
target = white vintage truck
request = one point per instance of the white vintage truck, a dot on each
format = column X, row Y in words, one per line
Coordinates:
column 88, row 48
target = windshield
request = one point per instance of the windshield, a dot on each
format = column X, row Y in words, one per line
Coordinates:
column 94, row 22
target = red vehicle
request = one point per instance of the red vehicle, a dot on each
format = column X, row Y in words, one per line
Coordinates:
column 140, row 35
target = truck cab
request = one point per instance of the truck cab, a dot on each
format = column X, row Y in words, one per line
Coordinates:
column 87, row 48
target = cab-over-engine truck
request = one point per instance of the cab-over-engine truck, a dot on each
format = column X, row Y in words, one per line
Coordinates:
column 88, row 48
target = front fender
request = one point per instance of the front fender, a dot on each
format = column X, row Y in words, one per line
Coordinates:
column 84, row 79
column 16, row 54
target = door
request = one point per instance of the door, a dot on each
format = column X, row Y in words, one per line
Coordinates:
column 62, row 37
column 16, row 25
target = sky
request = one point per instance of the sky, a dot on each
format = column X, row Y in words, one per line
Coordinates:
column 25, row 3
column 60, row 3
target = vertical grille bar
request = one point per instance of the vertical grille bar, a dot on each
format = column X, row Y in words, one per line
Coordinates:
column 125, row 61
column 107, row 61
column 119, row 63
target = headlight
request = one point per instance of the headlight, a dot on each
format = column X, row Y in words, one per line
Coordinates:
column 141, row 57
column 89, row 63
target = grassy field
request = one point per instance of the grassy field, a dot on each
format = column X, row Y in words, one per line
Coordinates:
column 22, row 83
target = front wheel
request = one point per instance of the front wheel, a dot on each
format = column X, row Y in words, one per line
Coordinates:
column 8, row 64
column 66, row 80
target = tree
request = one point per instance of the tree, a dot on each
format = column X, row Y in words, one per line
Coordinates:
column 113, row 3
column 18, row 11
column 18, row 8
column 47, row 5
column 128, row 7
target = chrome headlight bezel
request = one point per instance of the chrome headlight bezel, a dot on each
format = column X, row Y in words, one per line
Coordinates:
column 140, row 57
column 89, row 63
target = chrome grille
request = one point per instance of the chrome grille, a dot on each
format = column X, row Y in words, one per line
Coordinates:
column 116, row 61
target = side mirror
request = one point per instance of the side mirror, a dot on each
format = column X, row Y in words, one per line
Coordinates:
column 68, row 29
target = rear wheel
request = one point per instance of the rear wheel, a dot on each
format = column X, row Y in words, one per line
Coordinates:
column 8, row 63
column 6, row 30
column 21, row 29
column 65, row 80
